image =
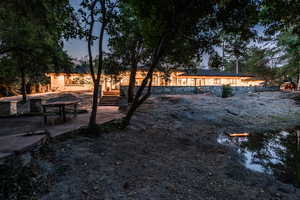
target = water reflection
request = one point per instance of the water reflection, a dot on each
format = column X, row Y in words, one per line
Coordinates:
column 277, row 154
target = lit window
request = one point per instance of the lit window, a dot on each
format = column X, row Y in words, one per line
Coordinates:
column 217, row 81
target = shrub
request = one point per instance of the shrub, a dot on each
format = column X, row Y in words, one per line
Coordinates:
column 227, row 91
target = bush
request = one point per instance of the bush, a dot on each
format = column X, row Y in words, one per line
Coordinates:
column 227, row 91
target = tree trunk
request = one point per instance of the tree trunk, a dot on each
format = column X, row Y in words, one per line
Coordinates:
column 92, row 122
column 96, row 80
column 237, row 66
column 137, row 99
column 28, row 88
column 298, row 84
column 131, row 86
column 223, row 55
column 135, row 106
column 23, row 85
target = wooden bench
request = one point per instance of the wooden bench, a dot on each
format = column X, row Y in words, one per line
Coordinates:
column 61, row 105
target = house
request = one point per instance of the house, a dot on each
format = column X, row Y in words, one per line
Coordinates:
column 215, row 78
column 82, row 80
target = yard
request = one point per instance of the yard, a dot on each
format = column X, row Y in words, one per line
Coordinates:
column 170, row 151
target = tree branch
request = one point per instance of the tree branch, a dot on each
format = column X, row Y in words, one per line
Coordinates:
column 90, row 40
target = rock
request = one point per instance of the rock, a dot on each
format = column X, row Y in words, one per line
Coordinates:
column 232, row 112
column 236, row 172
column 3, row 157
column 286, row 189
column 95, row 188
column 25, row 159
column 284, row 134
column 126, row 185
column 251, row 94
column 47, row 167
column 118, row 163
column 277, row 194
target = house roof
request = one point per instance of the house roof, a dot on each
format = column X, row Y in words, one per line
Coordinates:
column 79, row 69
column 253, row 79
column 142, row 68
column 208, row 72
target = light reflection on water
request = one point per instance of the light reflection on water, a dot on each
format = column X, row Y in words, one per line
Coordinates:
column 276, row 154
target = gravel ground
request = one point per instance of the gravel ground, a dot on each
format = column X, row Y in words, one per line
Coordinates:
column 170, row 152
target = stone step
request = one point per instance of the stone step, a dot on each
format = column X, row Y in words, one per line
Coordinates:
column 111, row 93
column 109, row 101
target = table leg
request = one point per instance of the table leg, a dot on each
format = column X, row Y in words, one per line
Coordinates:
column 45, row 115
column 60, row 111
column 64, row 113
column 75, row 110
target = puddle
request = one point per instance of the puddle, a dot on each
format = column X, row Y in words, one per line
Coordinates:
column 277, row 154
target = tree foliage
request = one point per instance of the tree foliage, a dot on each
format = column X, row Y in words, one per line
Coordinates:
column 215, row 61
column 256, row 61
column 280, row 15
column 128, row 44
column 194, row 23
column 31, row 37
column 282, row 18
column 289, row 44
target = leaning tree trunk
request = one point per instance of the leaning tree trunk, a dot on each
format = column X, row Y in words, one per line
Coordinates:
column 135, row 105
column 131, row 86
column 139, row 97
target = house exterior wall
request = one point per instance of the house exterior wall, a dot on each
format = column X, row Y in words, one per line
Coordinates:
column 80, row 82
column 176, row 79
column 70, row 82
column 57, row 82
column 216, row 81
column 77, row 82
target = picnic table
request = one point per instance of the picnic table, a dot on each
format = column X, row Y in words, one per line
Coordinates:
column 61, row 105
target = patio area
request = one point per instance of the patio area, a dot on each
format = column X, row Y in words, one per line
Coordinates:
column 17, row 133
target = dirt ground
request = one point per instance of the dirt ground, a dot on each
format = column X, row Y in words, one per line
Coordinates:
column 170, row 152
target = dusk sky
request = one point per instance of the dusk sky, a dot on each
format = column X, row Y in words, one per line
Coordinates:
column 77, row 48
